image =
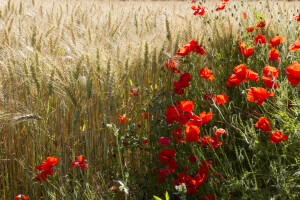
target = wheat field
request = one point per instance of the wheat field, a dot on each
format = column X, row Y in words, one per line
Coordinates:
column 66, row 70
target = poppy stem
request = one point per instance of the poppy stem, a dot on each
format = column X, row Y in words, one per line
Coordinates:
column 225, row 121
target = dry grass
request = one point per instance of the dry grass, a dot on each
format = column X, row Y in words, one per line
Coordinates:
column 65, row 70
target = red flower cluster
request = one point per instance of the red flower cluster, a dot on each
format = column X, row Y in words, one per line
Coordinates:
column 261, row 23
column 79, row 162
column 198, row 10
column 192, row 46
column 246, row 52
column 240, row 74
column 46, row 168
column 250, row 29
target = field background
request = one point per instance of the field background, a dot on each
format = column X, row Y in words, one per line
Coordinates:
column 66, row 70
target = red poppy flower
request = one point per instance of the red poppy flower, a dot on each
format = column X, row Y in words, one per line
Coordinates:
column 270, row 71
column 274, row 53
column 240, row 70
column 219, row 132
column 270, row 76
column 207, row 73
column 145, row 141
column 242, row 47
column 270, row 82
column 206, row 166
column 297, row 17
column 250, row 29
column 195, row 47
column 79, row 162
column 263, row 124
column 261, row 24
column 166, row 155
column 258, row 94
column 234, row 80
column 125, row 143
column 260, row 39
column 186, row 77
column 177, row 135
column 181, row 84
column 208, row 197
column 45, row 168
column 221, row 5
column 187, row 106
column 192, row 158
column 164, row 141
column 21, row 196
column 190, row 183
column 294, row 47
column 183, row 51
column 51, row 161
column 162, row 174
column 123, row 118
column 277, row 137
column 252, row 75
column 171, row 165
column 211, row 141
column 192, row 46
column 198, row 10
column 244, row 15
column 179, row 91
column 173, row 114
column 221, row 99
column 248, row 52
column 205, row 117
column 275, row 41
column 192, row 133
column 293, row 73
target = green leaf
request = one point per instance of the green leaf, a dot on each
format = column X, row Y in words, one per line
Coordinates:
column 157, row 198
column 167, row 196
